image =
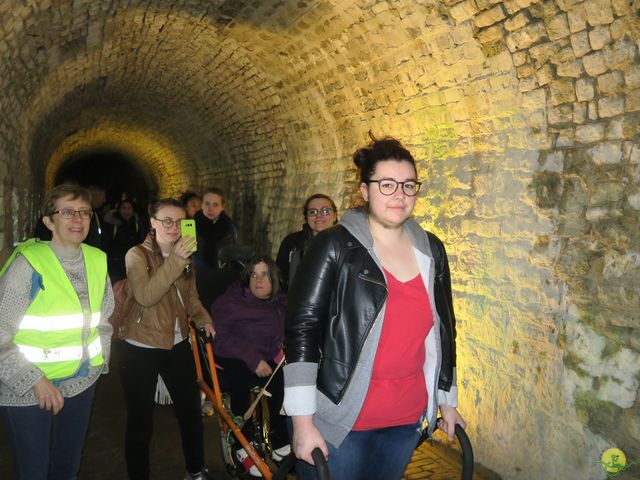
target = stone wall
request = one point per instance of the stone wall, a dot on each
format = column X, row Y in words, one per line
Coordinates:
column 524, row 115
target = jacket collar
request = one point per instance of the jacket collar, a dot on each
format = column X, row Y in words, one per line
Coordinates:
column 355, row 221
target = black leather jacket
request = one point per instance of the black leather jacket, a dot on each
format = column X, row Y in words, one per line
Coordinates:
column 333, row 306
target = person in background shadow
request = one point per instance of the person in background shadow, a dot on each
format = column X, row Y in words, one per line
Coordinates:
column 97, row 234
column 122, row 231
column 192, row 202
column 214, row 229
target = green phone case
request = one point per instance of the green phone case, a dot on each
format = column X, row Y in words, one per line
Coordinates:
column 188, row 228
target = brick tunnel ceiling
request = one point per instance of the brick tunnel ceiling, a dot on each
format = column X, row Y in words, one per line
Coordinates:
column 186, row 86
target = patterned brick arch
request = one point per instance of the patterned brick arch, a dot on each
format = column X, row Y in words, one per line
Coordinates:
column 153, row 153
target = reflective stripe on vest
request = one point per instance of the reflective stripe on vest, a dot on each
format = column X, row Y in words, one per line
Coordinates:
column 60, row 354
column 57, row 322
column 50, row 334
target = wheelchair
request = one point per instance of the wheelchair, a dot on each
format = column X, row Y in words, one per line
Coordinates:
column 256, row 418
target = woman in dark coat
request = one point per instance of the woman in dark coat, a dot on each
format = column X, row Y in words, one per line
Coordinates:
column 123, row 231
column 320, row 213
column 214, row 230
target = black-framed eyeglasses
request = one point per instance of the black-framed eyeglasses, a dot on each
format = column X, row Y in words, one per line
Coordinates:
column 70, row 213
column 314, row 212
column 168, row 222
column 388, row 186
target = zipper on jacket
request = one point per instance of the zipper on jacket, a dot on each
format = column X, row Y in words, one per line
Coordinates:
column 366, row 278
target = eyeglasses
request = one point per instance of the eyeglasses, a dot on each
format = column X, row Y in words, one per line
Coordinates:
column 256, row 275
column 388, row 186
column 69, row 213
column 168, row 222
column 314, row 212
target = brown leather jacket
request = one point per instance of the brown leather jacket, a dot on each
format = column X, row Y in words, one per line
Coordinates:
column 154, row 286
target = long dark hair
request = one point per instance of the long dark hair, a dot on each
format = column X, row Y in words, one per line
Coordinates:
column 272, row 267
column 187, row 196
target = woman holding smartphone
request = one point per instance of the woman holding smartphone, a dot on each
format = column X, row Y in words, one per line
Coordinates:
column 156, row 342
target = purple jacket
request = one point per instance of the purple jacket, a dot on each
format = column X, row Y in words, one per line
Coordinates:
column 246, row 327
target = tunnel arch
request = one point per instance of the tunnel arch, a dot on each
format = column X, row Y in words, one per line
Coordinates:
column 117, row 173
column 150, row 153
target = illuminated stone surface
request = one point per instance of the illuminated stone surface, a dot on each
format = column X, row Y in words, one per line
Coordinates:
column 523, row 115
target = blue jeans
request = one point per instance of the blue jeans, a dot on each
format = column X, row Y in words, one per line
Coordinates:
column 383, row 454
column 47, row 446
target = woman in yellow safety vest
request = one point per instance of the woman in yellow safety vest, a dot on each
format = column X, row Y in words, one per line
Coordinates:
column 54, row 339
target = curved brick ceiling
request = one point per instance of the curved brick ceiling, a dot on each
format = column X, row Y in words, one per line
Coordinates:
column 242, row 94
column 220, row 85
column 167, row 71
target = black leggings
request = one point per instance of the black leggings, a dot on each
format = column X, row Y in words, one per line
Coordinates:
column 240, row 379
column 139, row 369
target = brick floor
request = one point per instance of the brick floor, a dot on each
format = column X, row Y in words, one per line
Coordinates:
column 103, row 457
column 439, row 461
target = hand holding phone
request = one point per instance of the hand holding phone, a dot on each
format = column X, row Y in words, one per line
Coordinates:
column 188, row 229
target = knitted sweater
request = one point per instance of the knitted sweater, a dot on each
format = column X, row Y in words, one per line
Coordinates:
column 17, row 374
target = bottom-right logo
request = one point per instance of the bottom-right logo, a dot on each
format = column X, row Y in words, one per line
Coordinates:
column 614, row 462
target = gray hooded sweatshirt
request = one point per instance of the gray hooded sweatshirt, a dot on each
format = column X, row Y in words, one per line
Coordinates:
column 335, row 421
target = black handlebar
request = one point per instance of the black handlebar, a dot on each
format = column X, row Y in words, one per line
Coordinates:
column 467, row 453
column 201, row 334
column 285, row 467
column 465, row 445
column 321, row 464
column 289, row 461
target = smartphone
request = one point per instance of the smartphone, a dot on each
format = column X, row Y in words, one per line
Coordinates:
column 188, row 229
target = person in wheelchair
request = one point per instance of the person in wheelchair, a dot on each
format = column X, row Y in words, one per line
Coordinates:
column 249, row 320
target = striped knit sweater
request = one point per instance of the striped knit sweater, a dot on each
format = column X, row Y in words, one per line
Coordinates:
column 18, row 375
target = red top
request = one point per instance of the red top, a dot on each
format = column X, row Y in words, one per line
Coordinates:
column 397, row 392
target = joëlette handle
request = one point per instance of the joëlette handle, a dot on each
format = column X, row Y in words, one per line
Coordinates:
column 322, row 469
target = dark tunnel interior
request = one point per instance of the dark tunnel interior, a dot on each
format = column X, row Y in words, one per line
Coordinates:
column 114, row 171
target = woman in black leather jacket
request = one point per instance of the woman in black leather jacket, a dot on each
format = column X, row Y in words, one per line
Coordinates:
column 370, row 338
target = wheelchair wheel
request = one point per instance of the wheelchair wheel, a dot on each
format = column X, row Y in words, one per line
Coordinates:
column 258, row 426
column 261, row 422
column 228, row 442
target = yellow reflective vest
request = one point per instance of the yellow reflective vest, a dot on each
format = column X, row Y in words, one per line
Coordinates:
column 50, row 333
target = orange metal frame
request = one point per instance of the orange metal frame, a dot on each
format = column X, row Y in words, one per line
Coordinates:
column 215, row 395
